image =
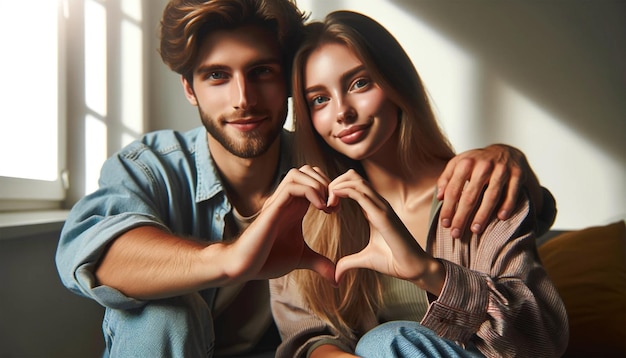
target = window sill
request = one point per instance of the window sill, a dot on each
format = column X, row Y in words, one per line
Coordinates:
column 28, row 223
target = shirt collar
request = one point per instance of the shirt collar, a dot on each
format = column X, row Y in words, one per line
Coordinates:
column 207, row 178
column 208, row 181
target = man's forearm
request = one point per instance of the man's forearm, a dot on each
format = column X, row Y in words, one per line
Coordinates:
column 149, row 263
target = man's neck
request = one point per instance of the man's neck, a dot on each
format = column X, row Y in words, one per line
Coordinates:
column 248, row 181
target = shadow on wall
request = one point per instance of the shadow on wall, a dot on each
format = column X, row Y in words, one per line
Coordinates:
column 38, row 316
column 568, row 57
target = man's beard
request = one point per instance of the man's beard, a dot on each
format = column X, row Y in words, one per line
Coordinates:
column 251, row 144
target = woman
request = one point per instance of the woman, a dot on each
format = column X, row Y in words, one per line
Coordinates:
column 364, row 120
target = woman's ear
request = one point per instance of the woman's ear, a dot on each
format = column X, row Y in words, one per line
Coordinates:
column 189, row 93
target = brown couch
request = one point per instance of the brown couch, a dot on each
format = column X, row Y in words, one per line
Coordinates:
column 588, row 267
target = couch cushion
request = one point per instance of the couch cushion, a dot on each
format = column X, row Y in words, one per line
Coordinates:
column 588, row 268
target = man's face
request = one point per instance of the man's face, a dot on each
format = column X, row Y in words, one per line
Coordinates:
column 240, row 90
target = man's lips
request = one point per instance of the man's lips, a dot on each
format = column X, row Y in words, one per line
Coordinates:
column 248, row 123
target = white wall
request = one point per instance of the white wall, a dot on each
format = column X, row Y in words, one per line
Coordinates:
column 546, row 77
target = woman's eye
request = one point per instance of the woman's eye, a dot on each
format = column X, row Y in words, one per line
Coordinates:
column 317, row 100
column 360, row 83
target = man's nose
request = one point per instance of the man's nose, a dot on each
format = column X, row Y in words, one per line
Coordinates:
column 243, row 93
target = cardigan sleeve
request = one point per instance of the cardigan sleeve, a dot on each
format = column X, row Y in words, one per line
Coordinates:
column 496, row 293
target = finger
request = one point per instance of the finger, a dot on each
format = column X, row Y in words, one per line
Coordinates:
column 470, row 197
column 368, row 200
column 491, row 197
column 315, row 173
column 322, row 174
column 512, row 194
column 383, row 219
column 298, row 183
column 444, row 178
column 453, row 191
column 315, row 197
column 287, row 195
column 319, row 263
column 346, row 263
column 347, row 178
column 350, row 179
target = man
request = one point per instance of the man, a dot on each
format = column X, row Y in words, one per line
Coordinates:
column 178, row 241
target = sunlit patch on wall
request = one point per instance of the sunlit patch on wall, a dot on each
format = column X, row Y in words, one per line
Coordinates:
column 553, row 147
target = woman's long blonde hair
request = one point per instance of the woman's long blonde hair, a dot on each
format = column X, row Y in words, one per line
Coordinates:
column 353, row 306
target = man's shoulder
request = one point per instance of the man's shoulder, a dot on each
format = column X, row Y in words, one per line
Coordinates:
column 163, row 142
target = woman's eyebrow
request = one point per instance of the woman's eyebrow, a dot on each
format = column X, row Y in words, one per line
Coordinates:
column 344, row 77
column 315, row 88
column 350, row 73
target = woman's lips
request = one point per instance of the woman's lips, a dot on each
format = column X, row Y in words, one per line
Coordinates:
column 353, row 133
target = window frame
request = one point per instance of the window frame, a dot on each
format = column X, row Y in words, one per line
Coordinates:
column 18, row 194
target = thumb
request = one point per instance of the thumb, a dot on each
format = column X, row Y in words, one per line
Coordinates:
column 319, row 263
column 346, row 263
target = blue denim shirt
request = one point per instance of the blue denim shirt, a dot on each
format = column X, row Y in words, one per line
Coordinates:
column 166, row 179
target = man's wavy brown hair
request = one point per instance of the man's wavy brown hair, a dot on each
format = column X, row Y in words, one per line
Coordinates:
column 185, row 23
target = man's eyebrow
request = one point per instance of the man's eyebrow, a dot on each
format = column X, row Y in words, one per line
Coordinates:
column 266, row 61
column 344, row 77
column 271, row 61
column 202, row 69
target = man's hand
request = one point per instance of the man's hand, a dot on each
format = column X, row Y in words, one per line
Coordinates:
column 273, row 245
column 496, row 172
column 150, row 263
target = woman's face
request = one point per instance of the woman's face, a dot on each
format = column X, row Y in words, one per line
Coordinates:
column 348, row 110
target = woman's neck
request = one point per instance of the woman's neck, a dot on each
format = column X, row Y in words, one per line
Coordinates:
column 409, row 193
column 402, row 187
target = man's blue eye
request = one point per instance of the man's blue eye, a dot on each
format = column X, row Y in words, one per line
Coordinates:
column 262, row 70
column 216, row 75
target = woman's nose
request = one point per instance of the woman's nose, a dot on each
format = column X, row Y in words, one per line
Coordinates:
column 346, row 113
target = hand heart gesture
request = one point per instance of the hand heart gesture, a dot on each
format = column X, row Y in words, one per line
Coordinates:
column 391, row 250
column 274, row 245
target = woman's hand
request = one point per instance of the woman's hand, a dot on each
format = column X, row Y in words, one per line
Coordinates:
column 392, row 250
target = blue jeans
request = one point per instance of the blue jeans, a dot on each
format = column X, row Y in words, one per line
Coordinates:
column 174, row 327
column 411, row 340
